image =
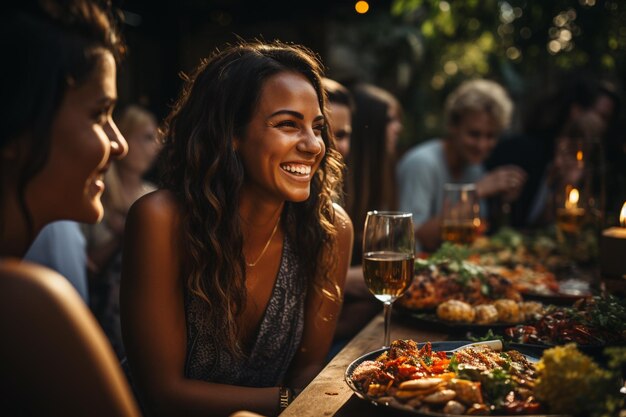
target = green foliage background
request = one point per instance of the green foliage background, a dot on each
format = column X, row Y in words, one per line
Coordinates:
column 422, row 49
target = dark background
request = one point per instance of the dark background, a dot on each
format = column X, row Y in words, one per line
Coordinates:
column 419, row 50
column 166, row 38
column 405, row 46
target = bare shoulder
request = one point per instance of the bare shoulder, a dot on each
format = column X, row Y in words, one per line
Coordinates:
column 38, row 299
column 345, row 235
column 159, row 204
column 52, row 336
column 34, row 285
column 153, row 239
column 342, row 220
column 155, row 214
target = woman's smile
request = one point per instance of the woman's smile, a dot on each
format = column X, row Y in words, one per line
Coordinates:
column 97, row 186
column 299, row 172
column 283, row 146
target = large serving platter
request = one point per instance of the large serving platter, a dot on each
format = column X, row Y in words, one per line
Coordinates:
column 436, row 346
column 431, row 320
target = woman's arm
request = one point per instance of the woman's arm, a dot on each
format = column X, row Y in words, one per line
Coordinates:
column 56, row 361
column 322, row 311
column 153, row 320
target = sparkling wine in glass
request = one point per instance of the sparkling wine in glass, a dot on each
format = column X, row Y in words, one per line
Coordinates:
column 388, row 257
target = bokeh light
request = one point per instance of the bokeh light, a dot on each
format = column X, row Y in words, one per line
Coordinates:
column 554, row 46
column 525, row 32
column 513, row 53
column 361, row 7
column 473, row 24
column 450, row 68
column 437, row 82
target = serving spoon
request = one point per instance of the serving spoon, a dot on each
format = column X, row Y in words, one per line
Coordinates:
column 494, row 344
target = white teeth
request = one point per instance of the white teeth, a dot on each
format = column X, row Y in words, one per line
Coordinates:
column 300, row 169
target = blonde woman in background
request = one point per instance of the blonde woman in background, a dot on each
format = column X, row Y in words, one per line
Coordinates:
column 125, row 183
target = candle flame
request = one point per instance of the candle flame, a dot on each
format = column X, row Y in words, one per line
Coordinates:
column 580, row 163
column 572, row 199
column 622, row 216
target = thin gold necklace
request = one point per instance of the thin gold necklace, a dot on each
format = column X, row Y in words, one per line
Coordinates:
column 266, row 245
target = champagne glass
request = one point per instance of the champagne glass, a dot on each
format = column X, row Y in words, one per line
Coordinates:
column 388, row 257
column 461, row 214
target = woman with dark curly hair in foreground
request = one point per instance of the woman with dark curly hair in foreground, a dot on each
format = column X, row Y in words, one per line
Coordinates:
column 233, row 271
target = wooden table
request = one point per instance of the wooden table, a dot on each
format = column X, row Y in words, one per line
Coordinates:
column 329, row 395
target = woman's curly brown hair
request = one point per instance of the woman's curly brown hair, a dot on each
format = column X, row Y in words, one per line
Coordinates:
column 206, row 175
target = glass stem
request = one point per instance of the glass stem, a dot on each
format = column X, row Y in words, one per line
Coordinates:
column 387, row 309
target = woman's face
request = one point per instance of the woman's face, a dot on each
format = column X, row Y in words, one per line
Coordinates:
column 341, row 122
column 475, row 136
column 393, row 130
column 83, row 141
column 282, row 146
column 604, row 107
column 568, row 168
column 143, row 147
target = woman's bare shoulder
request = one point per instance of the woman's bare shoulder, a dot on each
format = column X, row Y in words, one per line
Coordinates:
column 40, row 291
column 342, row 220
column 157, row 202
column 20, row 276
column 158, row 207
column 51, row 335
column 153, row 235
column 345, row 234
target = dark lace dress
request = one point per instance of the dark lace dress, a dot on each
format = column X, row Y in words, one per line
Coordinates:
column 276, row 343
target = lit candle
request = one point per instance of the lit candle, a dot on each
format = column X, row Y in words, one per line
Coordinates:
column 613, row 248
column 572, row 199
column 570, row 218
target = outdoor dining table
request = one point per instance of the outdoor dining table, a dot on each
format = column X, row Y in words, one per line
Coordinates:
column 329, row 395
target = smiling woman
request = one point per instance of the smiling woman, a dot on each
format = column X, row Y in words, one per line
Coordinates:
column 233, row 271
column 282, row 148
column 57, row 141
column 80, row 150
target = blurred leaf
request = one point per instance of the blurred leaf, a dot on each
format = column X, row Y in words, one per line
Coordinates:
column 405, row 6
column 445, row 23
column 418, row 37
column 428, row 29
column 608, row 62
